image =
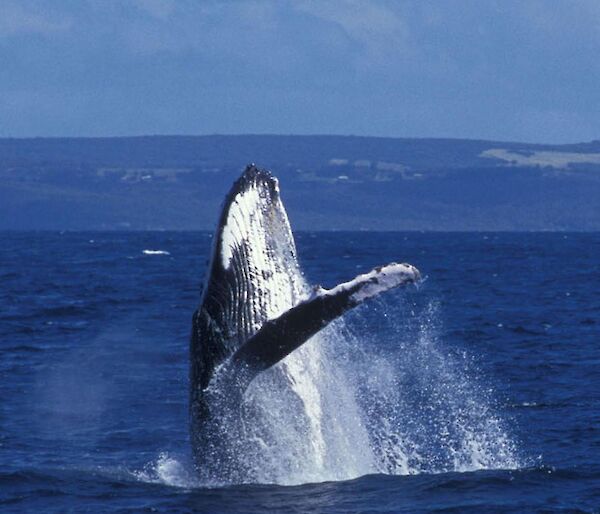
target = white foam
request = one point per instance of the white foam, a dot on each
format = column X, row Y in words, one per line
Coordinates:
column 156, row 252
column 168, row 470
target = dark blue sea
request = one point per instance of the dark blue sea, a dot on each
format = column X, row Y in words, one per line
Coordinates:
column 493, row 364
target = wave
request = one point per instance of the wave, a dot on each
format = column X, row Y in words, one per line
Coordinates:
column 156, row 252
column 169, row 470
column 167, row 489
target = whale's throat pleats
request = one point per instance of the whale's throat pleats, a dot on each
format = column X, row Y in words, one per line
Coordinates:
column 254, row 274
column 257, row 248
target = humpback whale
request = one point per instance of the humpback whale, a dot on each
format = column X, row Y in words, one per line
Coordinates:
column 253, row 313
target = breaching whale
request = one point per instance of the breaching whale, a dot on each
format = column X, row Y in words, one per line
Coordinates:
column 252, row 314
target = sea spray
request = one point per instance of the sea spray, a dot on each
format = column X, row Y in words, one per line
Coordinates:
column 428, row 409
column 376, row 394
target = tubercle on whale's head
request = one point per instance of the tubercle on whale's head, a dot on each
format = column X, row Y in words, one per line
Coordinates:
column 253, row 175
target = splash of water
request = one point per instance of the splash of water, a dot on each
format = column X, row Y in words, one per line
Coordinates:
column 341, row 406
column 168, row 470
column 428, row 410
column 388, row 401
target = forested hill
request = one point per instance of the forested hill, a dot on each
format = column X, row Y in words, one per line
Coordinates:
column 328, row 182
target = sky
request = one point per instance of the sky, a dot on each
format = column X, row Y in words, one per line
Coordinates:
column 526, row 70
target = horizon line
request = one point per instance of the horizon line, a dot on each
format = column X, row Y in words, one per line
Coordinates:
column 266, row 134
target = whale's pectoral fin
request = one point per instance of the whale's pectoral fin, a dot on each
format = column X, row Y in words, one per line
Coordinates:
column 279, row 337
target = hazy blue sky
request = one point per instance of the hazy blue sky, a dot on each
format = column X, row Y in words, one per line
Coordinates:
column 511, row 70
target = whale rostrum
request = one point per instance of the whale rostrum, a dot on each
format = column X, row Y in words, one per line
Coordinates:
column 253, row 311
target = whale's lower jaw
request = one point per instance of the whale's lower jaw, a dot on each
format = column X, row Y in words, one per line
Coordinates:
column 256, row 310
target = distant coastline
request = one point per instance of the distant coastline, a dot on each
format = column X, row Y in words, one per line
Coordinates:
column 329, row 182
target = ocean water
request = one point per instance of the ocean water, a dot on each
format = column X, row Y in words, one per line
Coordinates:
column 479, row 391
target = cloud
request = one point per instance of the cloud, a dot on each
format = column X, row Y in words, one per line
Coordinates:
column 459, row 68
column 378, row 29
column 159, row 9
column 198, row 27
column 21, row 18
